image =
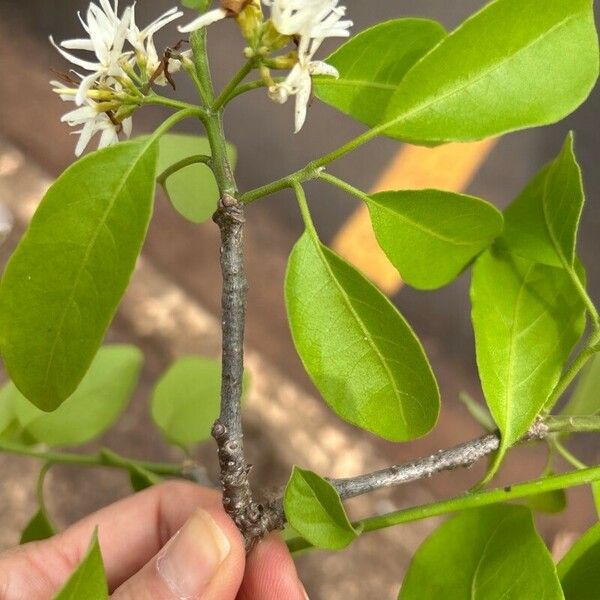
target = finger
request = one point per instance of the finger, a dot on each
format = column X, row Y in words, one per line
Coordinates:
column 271, row 573
column 131, row 532
column 203, row 561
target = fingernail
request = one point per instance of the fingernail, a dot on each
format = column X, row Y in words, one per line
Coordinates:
column 304, row 592
column 192, row 557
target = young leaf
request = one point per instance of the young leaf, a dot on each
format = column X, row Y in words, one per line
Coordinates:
column 94, row 406
column 314, row 509
column 373, row 63
column 64, row 282
column 526, row 319
column 358, row 349
column 547, row 502
column 38, row 528
column 186, row 400
column 585, row 400
column 578, row 570
column 89, row 579
column 515, row 64
column 479, row 412
column 542, row 223
column 192, row 190
column 142, row 479
column 490, row 553
column 430, row 236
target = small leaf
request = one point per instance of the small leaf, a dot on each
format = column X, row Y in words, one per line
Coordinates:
column 89, row 579
column 142, row 479
column 490, row 553
column 94, row 406
column 515, row 64
column 542, row 223
column 578, row 570
column 186, row 400
column 585, row 399
column 64, row 282
column 192, row 190
column 527, row 319
column 548, row 502
column 373, row 63
column 314, row 509
column 38, row 528
column 200, row 5
column 430, row 236
column 358, row 349
column 7, row 409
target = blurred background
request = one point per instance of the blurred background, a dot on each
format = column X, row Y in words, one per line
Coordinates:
column 172, row 307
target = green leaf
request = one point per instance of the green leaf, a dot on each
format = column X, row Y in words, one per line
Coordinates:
column 513, row 65
column 527, row 320
column 186, row 400
column 314, row 509
column 585, row 399
column 38, row 528
column 94, row 406
column 542, row 223
column 64, row 282
column 7, row 410
column 548, row 502
column 359, row 351
column 430, row 236
column 489, row 553
column 200, row 5
column 373, row 63
column 578, row 570
column 596, row 496
column 142, row 479
column 192, row 190
column 89, row 579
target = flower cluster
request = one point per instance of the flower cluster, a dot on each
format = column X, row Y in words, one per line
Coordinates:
column 106, row 95
column 307, row 22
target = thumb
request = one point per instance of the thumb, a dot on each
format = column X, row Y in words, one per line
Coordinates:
column 203, row 561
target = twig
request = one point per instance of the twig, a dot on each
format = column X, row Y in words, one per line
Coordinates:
column 464, row 455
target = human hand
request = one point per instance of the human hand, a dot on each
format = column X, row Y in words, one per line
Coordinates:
column 171, row 542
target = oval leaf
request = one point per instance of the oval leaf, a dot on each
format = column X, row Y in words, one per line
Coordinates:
column 430, row 236
column 490, row 553
column 186, row 400
column 193, row 191
column 515, row 64
column 578, row 570
column 359, row 351
column 373, row 63
column 64, row 282
column 542, row 223
column 89, row 579
column 527, row 320
column 94, row 406
column 314, row 509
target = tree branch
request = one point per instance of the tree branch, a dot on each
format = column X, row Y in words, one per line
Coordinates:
column 461, row 456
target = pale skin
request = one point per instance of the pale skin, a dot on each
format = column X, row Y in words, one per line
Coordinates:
column 137, row 536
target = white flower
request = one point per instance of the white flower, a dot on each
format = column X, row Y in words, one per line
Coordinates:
column 299, row 83
column 107, row 36
column 91, row 118
column 143, row 43
column 312, row 21
column 208, row 18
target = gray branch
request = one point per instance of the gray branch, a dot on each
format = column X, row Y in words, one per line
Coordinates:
column 461, row 456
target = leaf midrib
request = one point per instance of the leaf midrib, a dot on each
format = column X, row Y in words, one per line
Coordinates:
column 425, row 229
column 362, row 326
column 425, row 105
column 87, row 253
